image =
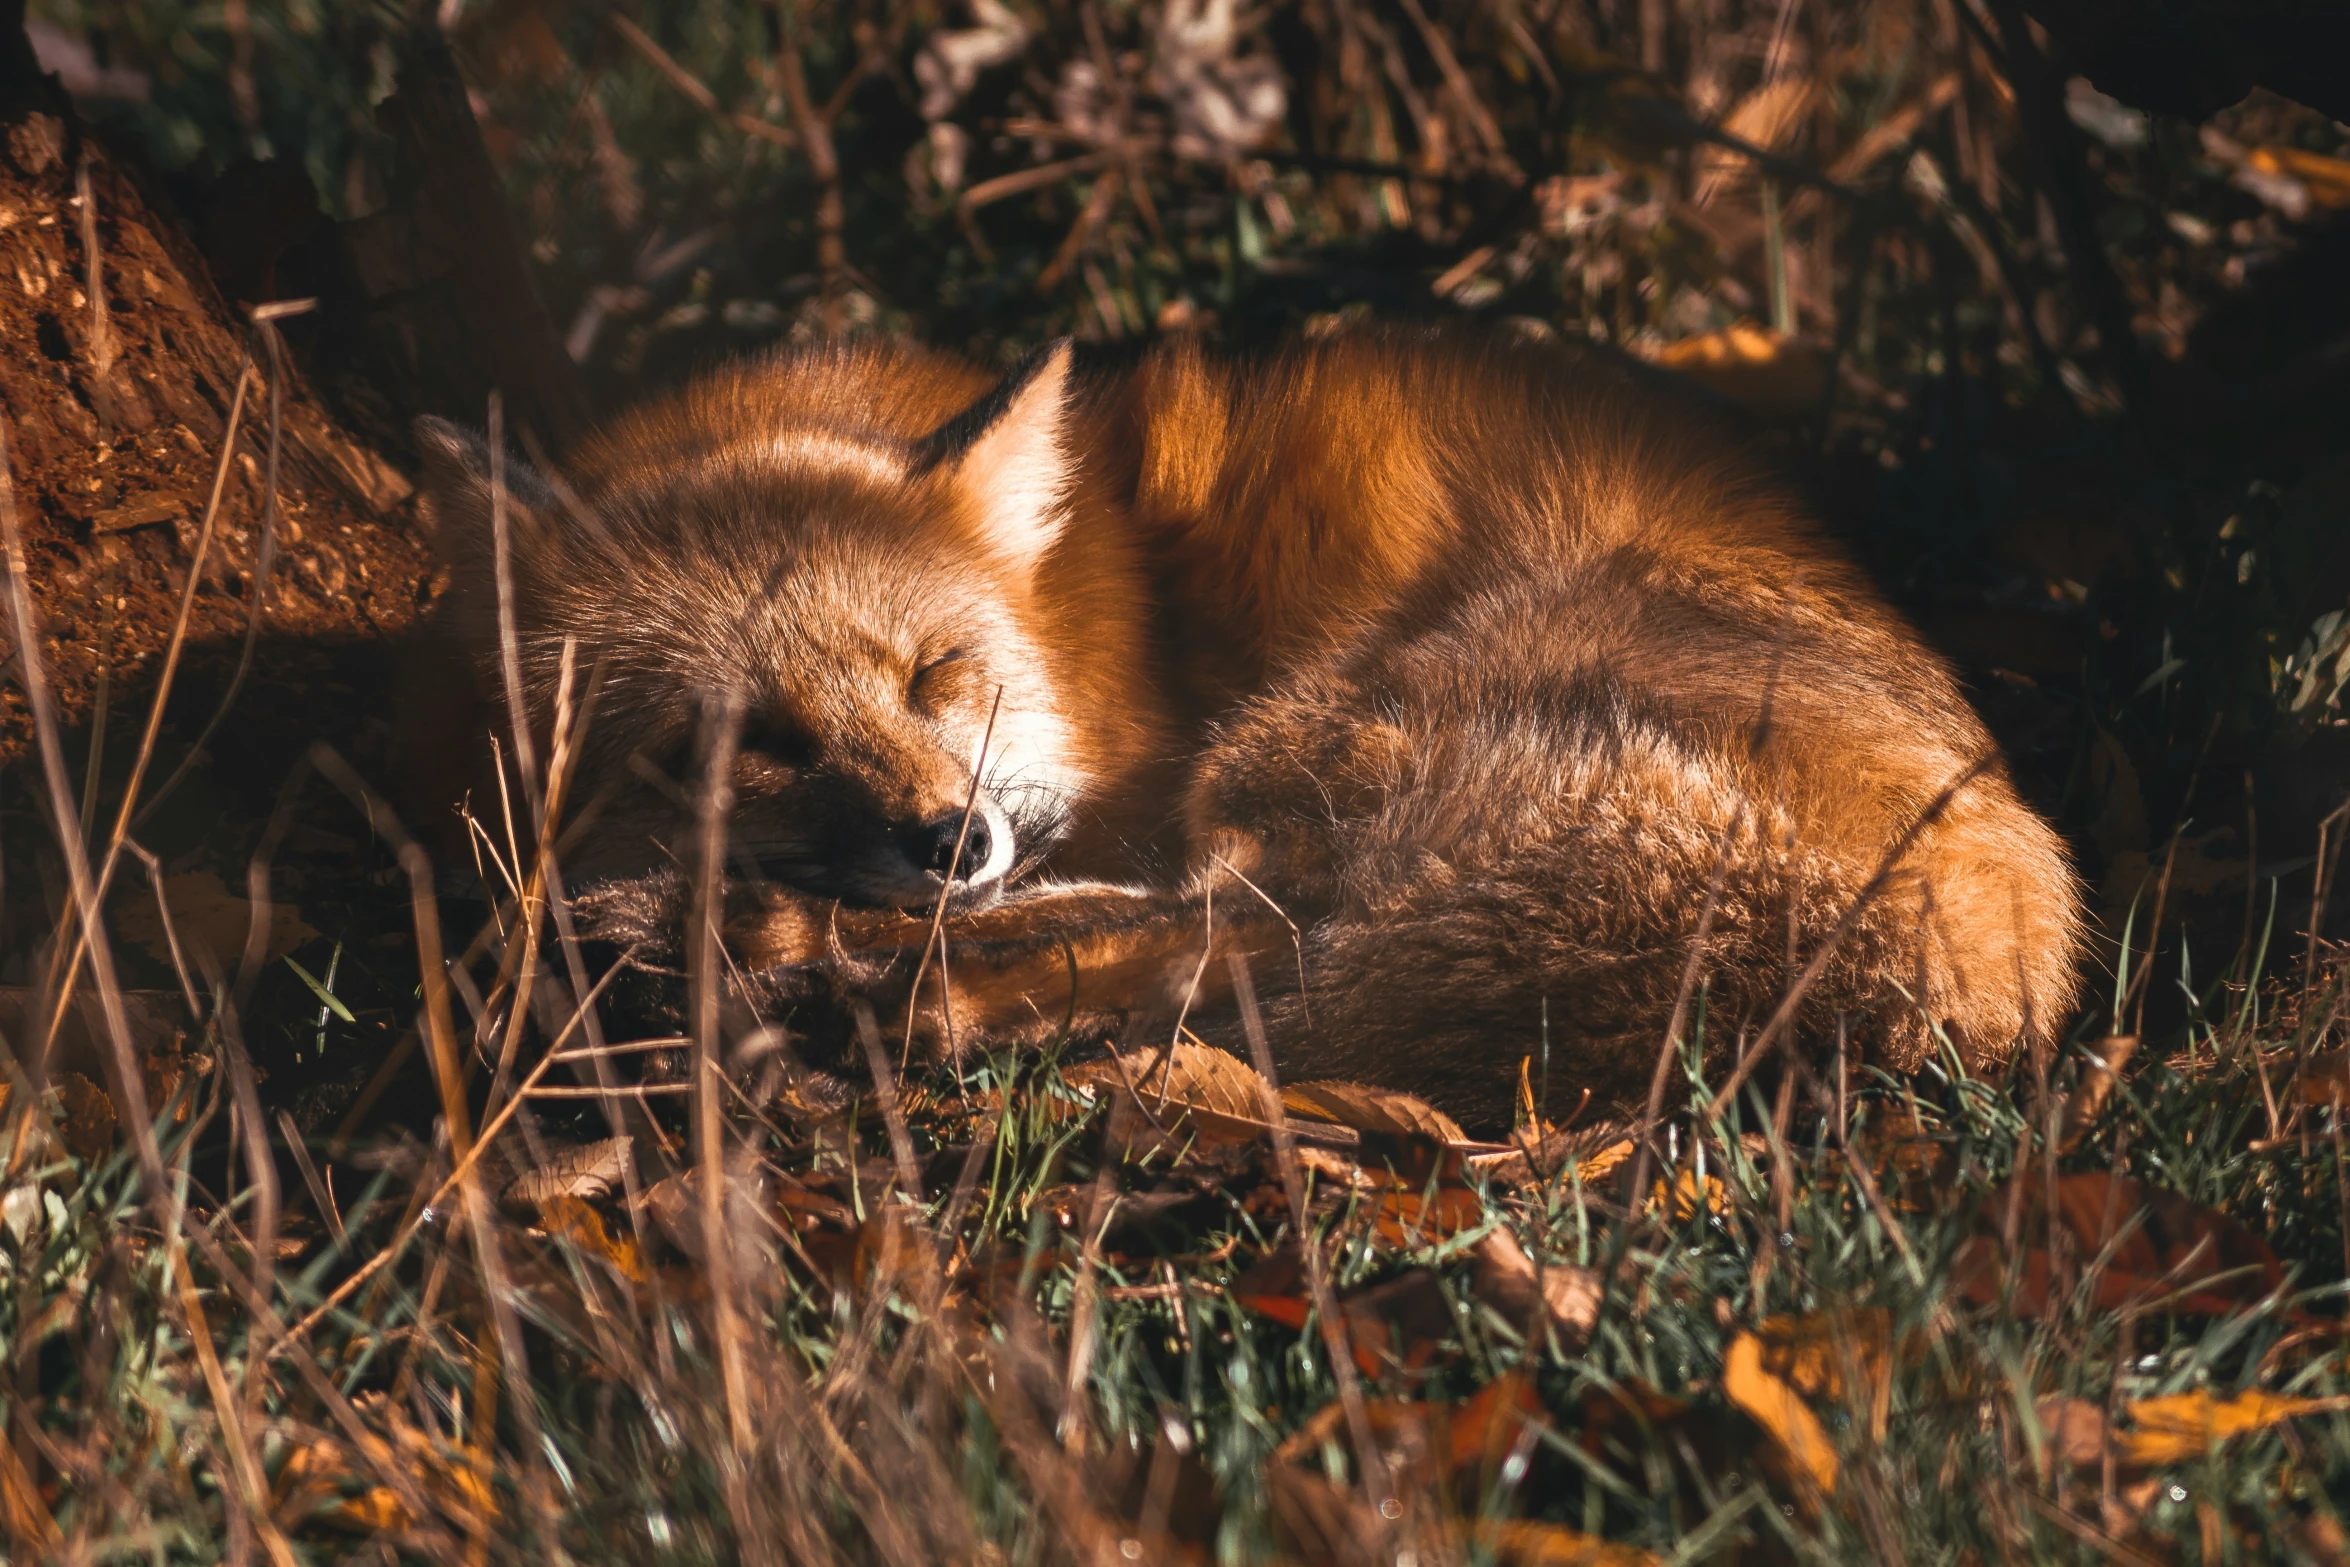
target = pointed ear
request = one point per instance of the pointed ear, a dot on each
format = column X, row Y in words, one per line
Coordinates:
column 457, row 483
column 1007, row 453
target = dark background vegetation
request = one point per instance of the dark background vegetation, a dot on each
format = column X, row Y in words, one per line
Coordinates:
column 2042, row 301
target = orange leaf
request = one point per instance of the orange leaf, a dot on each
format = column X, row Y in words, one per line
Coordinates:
column 571, row 1219
column 1369, row 1109
column 1839, row 1357
column 1412, row 1218
column 1777, row 1408
column 2186, row 1426
column 1772, row 375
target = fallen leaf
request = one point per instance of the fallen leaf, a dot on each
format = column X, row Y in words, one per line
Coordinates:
column 204, row 912
column 895, row 1254
column 2177, row 1256
column 1686, row 1196
column 2186, row 1426
column 2074, row 1428
column 85, row 1042
column 324, row 1481
column 1439, row 1443
column 26, row 1516
column 1191, row 1092
column 1369, row 1109
column 1409, row 1217
column 2178, row 1428
column 675, row 1203
column 86, row 1117
column 1403, row 1324
column 1909, row 1161
column 1766, row 117
column 1589, row 1154
column 1506, row 1279
column 1768, row 373
column 2325, row 1078
column 586, row 1171
column 571, row 1219
column 1779, row 1410
column 1837, row 1357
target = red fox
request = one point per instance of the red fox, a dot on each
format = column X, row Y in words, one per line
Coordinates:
column 1461, row 684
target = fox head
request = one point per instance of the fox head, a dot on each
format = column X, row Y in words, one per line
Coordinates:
column 815, row 573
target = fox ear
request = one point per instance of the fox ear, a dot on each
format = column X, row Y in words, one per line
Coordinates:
column 1008, row 455
column 458, row 484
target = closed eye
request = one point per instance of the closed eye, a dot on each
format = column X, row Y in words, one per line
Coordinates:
column 926, row 676
column 780, row 743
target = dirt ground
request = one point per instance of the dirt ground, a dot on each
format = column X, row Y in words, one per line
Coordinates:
column 115, row 420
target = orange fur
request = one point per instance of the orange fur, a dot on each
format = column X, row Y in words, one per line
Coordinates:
column 1499, row 675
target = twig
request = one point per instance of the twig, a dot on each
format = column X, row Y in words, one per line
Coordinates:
column 1003, row 185
column 61, row 985
column 128, row 1088
column 464, row 1168
column 263, row 318
column 101, row 325
column 885, row 1094
column 946, row 889
column 692, row 86
column 1377, row 1479
column 1670, row 1045
column 724, row 728
column 815, row 129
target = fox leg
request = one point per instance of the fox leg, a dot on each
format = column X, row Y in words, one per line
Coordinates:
column 1071, row 958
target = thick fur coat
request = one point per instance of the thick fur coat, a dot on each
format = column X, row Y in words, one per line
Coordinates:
column 1455, row 683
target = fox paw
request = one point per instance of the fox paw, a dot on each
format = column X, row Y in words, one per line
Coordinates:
column 644, row 916
column 786, row 955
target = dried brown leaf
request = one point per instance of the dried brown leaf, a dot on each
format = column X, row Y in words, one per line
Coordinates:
column 2166, row 1252
column 1369, row 1109
column 585, row 1171
column 1839, row 1357
column 86, row 1117
column 1507, row 1280
column 572, row 1220
column 1193, row 1092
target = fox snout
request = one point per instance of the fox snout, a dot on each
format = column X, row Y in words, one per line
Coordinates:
column 863, row 853
column 917, row 860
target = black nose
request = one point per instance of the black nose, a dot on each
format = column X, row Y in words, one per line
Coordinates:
column 931, row 846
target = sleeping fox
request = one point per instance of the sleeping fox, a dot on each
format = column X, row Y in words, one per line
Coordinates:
column 1461, row 686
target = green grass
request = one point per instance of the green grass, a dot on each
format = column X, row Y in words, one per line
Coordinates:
column 884, row 1423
